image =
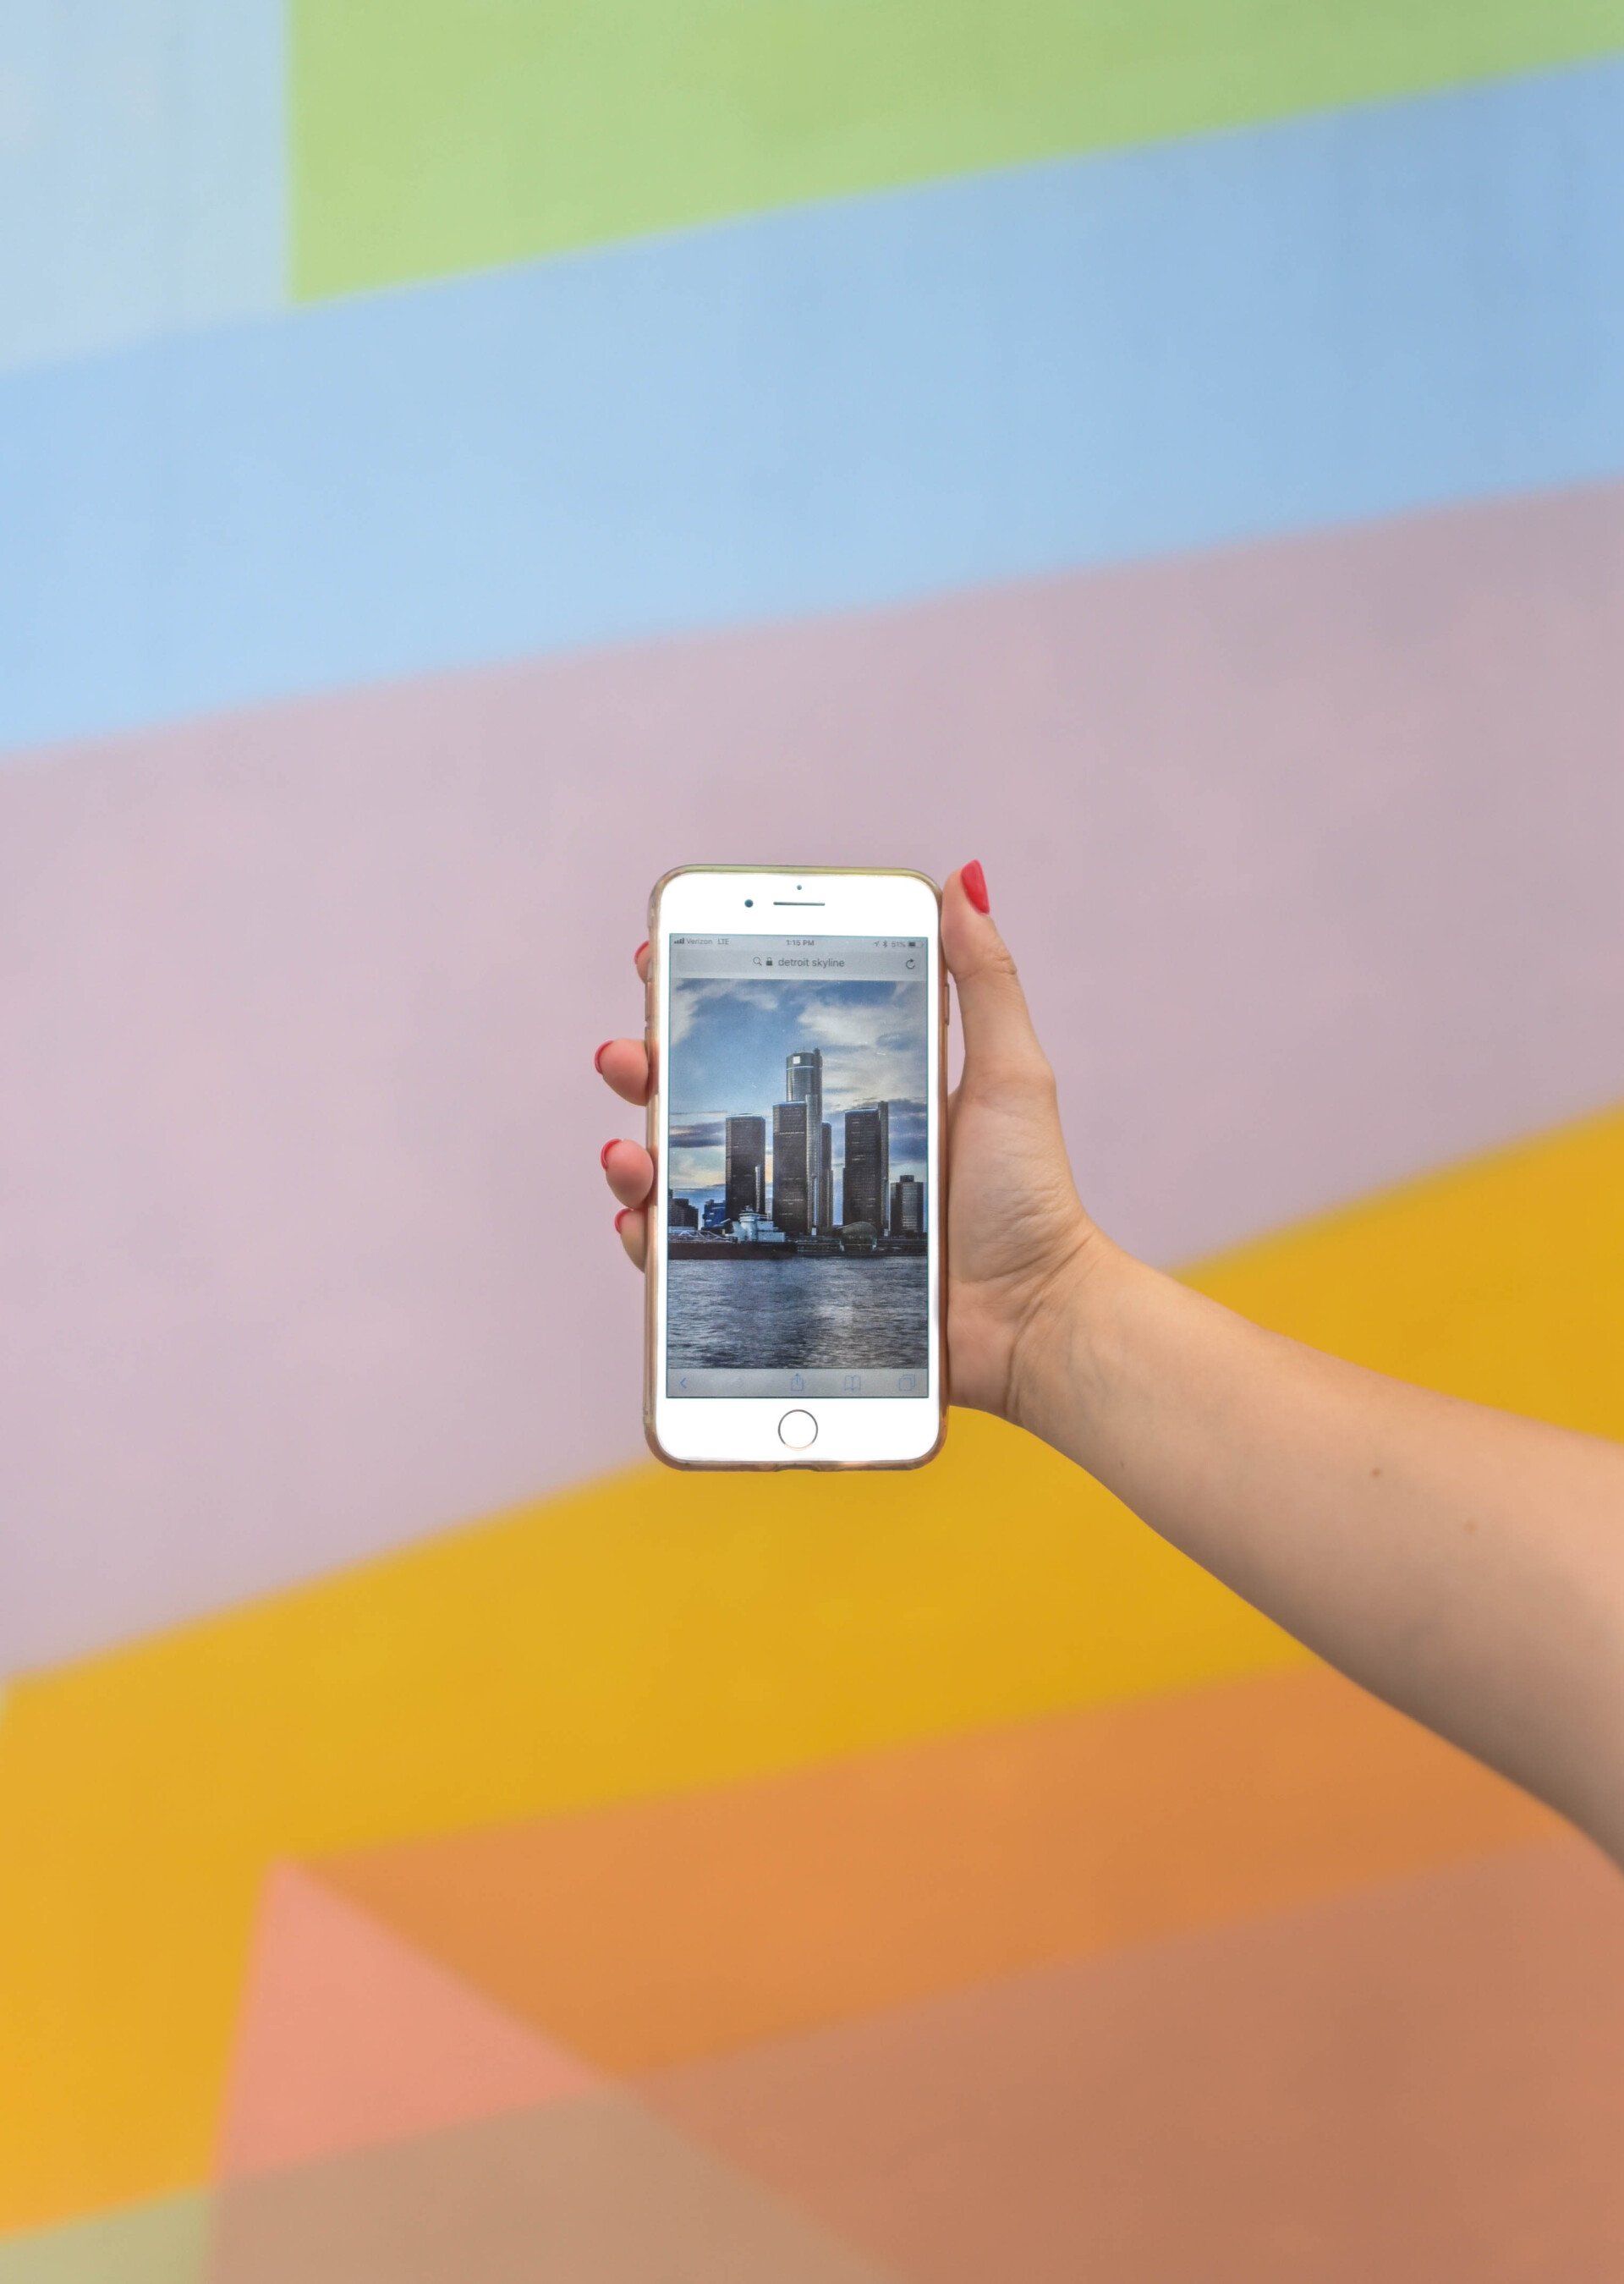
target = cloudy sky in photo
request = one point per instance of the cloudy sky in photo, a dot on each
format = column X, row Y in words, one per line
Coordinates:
column 730, row 1040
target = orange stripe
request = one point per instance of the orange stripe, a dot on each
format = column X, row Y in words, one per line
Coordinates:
column 641, row 1934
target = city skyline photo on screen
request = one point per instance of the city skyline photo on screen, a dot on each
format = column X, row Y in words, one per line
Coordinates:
column 797, row 1199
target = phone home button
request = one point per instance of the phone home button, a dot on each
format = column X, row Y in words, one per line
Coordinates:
column 799, row 1430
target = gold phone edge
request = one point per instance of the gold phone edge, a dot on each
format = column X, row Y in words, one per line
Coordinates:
column 654, row 1039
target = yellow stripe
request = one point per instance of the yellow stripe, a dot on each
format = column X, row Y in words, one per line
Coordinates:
column 1501, row 1281
column 659, row 1631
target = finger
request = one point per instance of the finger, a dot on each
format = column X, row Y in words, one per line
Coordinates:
column 624, row 1064
column 633, row 1225
column 630, row 1171
column 640, row 961
column 1001, row 1047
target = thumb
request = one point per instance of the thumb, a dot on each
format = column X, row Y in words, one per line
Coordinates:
column 1001, row 1047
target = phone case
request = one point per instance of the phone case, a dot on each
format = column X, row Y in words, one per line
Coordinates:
column 654, row 1042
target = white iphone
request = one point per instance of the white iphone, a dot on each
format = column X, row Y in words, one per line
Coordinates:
column 796, row 1030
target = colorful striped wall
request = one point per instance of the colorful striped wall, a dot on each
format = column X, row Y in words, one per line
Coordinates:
column 455, row 463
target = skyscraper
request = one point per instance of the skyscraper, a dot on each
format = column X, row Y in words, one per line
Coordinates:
column 681, row 1213
column 907, row 1207
column 866, row 1186
column 825, row 1181
column 803, row 1082
column 791, row 1169
column 746, row 1167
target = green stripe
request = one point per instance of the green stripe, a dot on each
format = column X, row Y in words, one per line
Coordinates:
column 163, row 2243
column 434, row 135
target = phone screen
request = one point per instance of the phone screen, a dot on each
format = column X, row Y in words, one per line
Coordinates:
column 796, row 1202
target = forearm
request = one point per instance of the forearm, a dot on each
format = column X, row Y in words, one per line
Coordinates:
column 1466, row 1565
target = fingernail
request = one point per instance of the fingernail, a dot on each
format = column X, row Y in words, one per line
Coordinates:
column 602, row 1155
column 975, row 886
column 642, row 948
column 597, row 1059
column 620, row 1217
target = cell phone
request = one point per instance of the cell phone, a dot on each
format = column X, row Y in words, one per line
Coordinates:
column 797, row 1229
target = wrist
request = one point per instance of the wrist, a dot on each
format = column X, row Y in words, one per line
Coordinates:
column 1067, row 1350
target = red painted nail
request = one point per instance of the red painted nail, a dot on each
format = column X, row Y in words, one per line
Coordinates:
column 975, row 886
column 597, row 1059
column 602, row 1155
column 642, row 948
column 620, row 1217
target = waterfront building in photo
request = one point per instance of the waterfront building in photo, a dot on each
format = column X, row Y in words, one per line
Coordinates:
column 744, row 1179
column 803, row 1082
column 865, row 1184
column 792, row 1200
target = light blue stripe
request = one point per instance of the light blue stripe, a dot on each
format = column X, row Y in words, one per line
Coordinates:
column 143, row 172
column 1338, row 317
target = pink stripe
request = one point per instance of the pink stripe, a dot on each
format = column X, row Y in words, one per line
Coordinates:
column 1313, row 854
column 350, row 2037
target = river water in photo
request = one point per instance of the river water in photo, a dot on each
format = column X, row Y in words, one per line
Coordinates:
column 809, row 1313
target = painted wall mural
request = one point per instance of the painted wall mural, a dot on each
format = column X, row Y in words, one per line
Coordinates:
column 455, row 463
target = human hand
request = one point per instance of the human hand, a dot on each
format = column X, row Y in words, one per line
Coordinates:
column 1019, row 1241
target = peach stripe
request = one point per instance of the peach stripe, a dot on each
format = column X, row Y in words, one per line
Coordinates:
column 1424, row 2080
column 351, row 2039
